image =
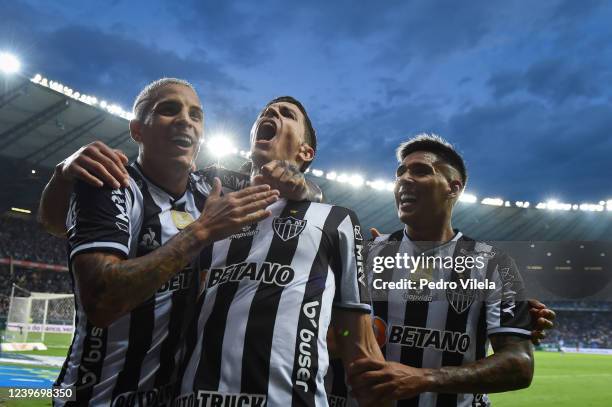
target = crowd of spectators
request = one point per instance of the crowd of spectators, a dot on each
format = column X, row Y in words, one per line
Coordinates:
column 25, row 240
column 582, row 329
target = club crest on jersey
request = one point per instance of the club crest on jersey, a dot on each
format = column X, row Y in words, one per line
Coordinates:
column 288, row 228
column 461, row 298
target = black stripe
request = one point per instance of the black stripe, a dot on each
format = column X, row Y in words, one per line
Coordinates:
column 338, row 387
column 182, row 313
column 191, row 331
column 310, row 311
column 209, row 368
column 90, row 366
column 262, row 315
column 142, row 318
column 455, row 322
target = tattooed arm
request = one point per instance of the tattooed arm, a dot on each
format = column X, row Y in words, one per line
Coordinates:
column 509, row 368
column 109, row 286
column 289, row 180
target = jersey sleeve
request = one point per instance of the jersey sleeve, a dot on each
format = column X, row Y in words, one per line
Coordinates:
column 99, row 220
column 506, row 305
column 351, row 281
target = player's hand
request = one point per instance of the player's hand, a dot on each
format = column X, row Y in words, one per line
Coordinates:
column 97, row 164
column 285, row 177
column 373, row 381
column 541, row 320
column 225, row 215
column 375, row 233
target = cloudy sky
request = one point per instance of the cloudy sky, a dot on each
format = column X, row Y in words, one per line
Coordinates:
column 522, row 88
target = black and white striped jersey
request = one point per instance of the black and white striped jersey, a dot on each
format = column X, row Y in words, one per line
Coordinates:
column 260, row 337
column 132, row 361
column 442, row 327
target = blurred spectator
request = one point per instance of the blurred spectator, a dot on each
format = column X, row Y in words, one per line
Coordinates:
column 25, row 240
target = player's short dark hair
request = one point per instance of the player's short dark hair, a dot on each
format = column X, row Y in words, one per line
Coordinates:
column 309, row 131
column 147, row 96
column 433, row 143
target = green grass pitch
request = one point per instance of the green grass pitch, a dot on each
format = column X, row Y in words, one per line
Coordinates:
column 561, row 380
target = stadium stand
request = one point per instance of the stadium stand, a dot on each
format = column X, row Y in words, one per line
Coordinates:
column 39, row 126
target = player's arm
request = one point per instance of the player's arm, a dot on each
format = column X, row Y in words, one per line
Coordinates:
column 110, row 286
column 289, row 180
column 96, row 164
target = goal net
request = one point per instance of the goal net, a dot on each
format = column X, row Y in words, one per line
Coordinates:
column 39, row 317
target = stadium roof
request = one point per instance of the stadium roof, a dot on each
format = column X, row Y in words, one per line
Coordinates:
column 42, row 122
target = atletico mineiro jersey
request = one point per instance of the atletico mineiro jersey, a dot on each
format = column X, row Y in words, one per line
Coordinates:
column 133, row 361
column 260, row 335
column 427, row 328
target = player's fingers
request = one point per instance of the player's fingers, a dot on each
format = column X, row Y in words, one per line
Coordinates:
column 110, row 154
column 255, row 217
column 363, row 365
column 374, row 232
column 268, row 168
column 122, row 156
column 99, row 171
column 366, row 379
column 250, row 190
column 257, row 197
column 216, row 188
column 548, row 314
column 533, row 303
column 113, row 166
column 259, row 204
column 544, row 323
column 85, row 176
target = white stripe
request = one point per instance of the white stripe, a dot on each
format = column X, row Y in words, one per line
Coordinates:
column 104, row 245
column 349, row 286
column 219, row 251
column 235, row 328
column 508, row 330
column 289, row 308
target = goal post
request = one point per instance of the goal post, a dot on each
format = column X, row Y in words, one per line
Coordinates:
column 34, row 315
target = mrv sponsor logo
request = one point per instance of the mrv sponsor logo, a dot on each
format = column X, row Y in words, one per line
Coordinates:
column 271, row 273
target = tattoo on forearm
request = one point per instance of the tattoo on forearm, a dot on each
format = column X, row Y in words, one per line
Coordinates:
column 511, row 367
column 111, row 287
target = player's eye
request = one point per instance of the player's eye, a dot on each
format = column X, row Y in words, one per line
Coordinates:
column 400, row 171
column 196, row 115
column 168, row 108
column 288, row 113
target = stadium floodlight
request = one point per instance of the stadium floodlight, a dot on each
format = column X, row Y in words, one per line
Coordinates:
column 342, row 178
column 317, row 173
column 379, row 184
column 467, row 198
column 9, row 63
column 492, row 201
column 390, row 186
column 331, row 175
column 356, row 180
column 526, row 204
column 609, row 205
column 220, row 146
column 20, row 210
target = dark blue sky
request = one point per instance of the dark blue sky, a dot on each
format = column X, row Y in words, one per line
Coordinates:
column 523, row 89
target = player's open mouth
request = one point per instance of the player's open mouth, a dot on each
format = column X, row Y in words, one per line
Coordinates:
column 182, row 141
column 266, row 130
column 407, row 199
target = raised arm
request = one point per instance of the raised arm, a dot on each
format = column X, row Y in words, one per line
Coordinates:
column 110, row 286
column 96, row 164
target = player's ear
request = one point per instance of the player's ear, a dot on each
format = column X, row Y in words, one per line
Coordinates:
column 306, row 153
column 135, row 130
column 456, row 187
